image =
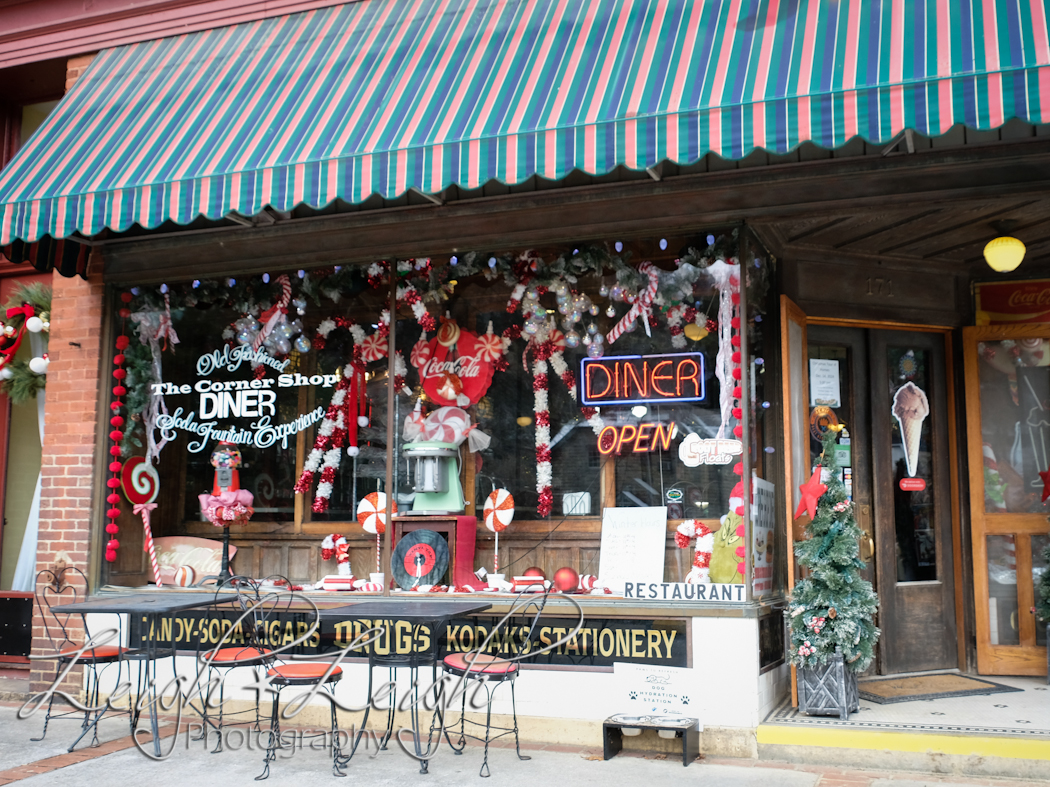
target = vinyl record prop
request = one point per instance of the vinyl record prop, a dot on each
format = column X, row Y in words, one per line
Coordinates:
column 420, row 558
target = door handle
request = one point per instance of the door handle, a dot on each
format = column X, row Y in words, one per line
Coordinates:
column 870, row 543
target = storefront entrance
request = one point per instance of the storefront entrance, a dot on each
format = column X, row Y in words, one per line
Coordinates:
column 889, row 389
column 1008, row 429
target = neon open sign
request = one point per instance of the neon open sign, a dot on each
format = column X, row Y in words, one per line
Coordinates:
column 633, row 379
column 639, row 439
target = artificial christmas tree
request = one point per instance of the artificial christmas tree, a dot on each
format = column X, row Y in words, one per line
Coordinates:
column 833, row 631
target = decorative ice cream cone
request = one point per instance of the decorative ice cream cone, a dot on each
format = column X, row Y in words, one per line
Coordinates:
column 910, row 408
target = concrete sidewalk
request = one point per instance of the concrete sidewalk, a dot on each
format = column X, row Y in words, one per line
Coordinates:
column 117, row 761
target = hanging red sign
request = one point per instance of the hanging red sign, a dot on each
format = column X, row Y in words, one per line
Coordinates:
column 456, row 366
column 912, row 484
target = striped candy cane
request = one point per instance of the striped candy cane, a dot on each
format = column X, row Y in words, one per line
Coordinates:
column 273, row 315
column 143, row 510
column 640, row 308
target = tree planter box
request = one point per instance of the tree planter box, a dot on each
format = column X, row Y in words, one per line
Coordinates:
column 830, row 690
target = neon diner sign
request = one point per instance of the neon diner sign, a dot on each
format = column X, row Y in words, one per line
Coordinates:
column 636, row 379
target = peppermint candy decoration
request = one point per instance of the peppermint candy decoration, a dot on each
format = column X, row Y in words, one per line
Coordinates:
column 446, row 425
column 557, row 339
column 366, row 587
column 587, row 582
column 420, row 352
column 499, row 510
column 184, row 576
column 140, row 480
column 371, row 512
column 840, row 507
column 448, row 334
column 373, row 348
column 489, row 347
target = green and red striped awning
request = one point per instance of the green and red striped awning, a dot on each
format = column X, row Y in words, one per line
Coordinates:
column 380, row 97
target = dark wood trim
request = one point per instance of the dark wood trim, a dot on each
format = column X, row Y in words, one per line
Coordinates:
column 682, row 203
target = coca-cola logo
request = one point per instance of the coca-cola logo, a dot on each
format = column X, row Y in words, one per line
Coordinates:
column 1029, row 298
column 456, row 375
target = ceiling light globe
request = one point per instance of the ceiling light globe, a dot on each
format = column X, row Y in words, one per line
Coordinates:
column 1004, row 254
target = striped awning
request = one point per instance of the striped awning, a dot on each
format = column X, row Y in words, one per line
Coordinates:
column 380, row 97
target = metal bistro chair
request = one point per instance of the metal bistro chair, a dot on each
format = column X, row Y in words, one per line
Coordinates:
column 52, row 590
column 491, row 672
column 302, row 674
column 255, row 609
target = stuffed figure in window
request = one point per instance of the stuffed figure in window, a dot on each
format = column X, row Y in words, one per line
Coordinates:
column 719, row 553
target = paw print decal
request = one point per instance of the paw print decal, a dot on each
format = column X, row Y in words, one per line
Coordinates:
column 685, row 700
column 633, row 695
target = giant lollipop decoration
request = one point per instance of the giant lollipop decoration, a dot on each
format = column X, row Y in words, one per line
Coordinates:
column 141, row 486
column 371, row 513
column 498, row 513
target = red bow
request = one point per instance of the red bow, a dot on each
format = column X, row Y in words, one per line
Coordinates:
column 342, row 553
column 27, row 311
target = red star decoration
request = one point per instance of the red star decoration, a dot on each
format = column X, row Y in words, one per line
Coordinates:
column 1046, row 483
column 811, row 492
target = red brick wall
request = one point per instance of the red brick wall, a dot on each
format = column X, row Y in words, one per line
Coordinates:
column 70, row 426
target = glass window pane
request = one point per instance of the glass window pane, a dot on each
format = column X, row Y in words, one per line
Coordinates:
column 912, row 458
column 1015, row 423
column 1002, row 591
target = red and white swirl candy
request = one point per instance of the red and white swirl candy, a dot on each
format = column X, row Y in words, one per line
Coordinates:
column 446, row 425
column 489, row 347
column 185, row 576
column 371, row 512
column 367, row 587
column 140, row 480
column 499, row 510
column 420, row 352
column 373, row 348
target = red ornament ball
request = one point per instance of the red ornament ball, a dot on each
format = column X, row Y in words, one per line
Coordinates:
column 118, row 360
column 534, row 571
column 114, row 406
column 123, row 342
column 112, row 513
column 113, row 483
column 119, row 390
column 111, row 555
column 566, row 579
column 119, row 374
column 116, row 420
column 112, row 529
column 125, row 313
column 113, row 544
column 114, row 450
column 126, row 297
column 114, row 467
column 116, row 435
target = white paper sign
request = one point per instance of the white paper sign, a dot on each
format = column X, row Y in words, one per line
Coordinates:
column 649, row 689
column 824, row 383
column 633, row 544
column 763, row 522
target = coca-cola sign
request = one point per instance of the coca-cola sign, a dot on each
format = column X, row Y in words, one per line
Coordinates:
column 1007, row 302
column 456, row 366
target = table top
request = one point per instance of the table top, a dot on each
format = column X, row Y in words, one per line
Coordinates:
column 428, row 611
column 144, row 603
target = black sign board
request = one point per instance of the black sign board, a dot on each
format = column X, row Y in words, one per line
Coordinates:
column 600, row 642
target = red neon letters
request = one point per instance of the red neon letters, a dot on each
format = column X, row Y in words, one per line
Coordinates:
column 643, row 438
column 677, row 377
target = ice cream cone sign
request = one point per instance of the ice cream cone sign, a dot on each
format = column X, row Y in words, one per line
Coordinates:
column 910, row 408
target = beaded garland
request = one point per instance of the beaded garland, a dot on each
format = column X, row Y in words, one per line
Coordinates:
column 116, row 435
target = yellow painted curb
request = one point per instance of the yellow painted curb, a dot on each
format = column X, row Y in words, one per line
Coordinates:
column 967, row 745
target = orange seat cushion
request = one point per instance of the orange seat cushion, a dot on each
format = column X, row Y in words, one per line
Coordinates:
column 480, row 662
column 302, row 671
column 230, row 655
column 101, row 652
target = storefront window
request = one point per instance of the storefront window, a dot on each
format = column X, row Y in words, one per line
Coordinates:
column 1002, row 590
column 291, row 369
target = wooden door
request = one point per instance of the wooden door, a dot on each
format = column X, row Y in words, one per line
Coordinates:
column 1008, row 432
column 912, row 501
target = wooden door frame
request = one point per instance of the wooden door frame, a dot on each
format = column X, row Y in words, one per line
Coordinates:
column 988, row 655
column 953, row 463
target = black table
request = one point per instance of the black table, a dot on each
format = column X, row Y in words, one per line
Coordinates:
column 153, row 606
column 433, row 613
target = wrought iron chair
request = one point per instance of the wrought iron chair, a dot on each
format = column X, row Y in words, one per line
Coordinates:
column 53, row 588
column 489, row 672
column 281, row 675
column 241, row 646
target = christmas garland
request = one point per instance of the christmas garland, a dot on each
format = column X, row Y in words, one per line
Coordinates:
column 28, row 310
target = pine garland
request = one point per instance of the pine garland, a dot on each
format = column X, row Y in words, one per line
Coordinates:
column 833, row 607
column 24, row 384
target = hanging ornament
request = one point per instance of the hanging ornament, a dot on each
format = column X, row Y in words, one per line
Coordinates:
column 39, row 365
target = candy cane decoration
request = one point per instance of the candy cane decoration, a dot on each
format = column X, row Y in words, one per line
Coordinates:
column 700, row 574
column 141, row 486
column 642, row 305
column 273, row 316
